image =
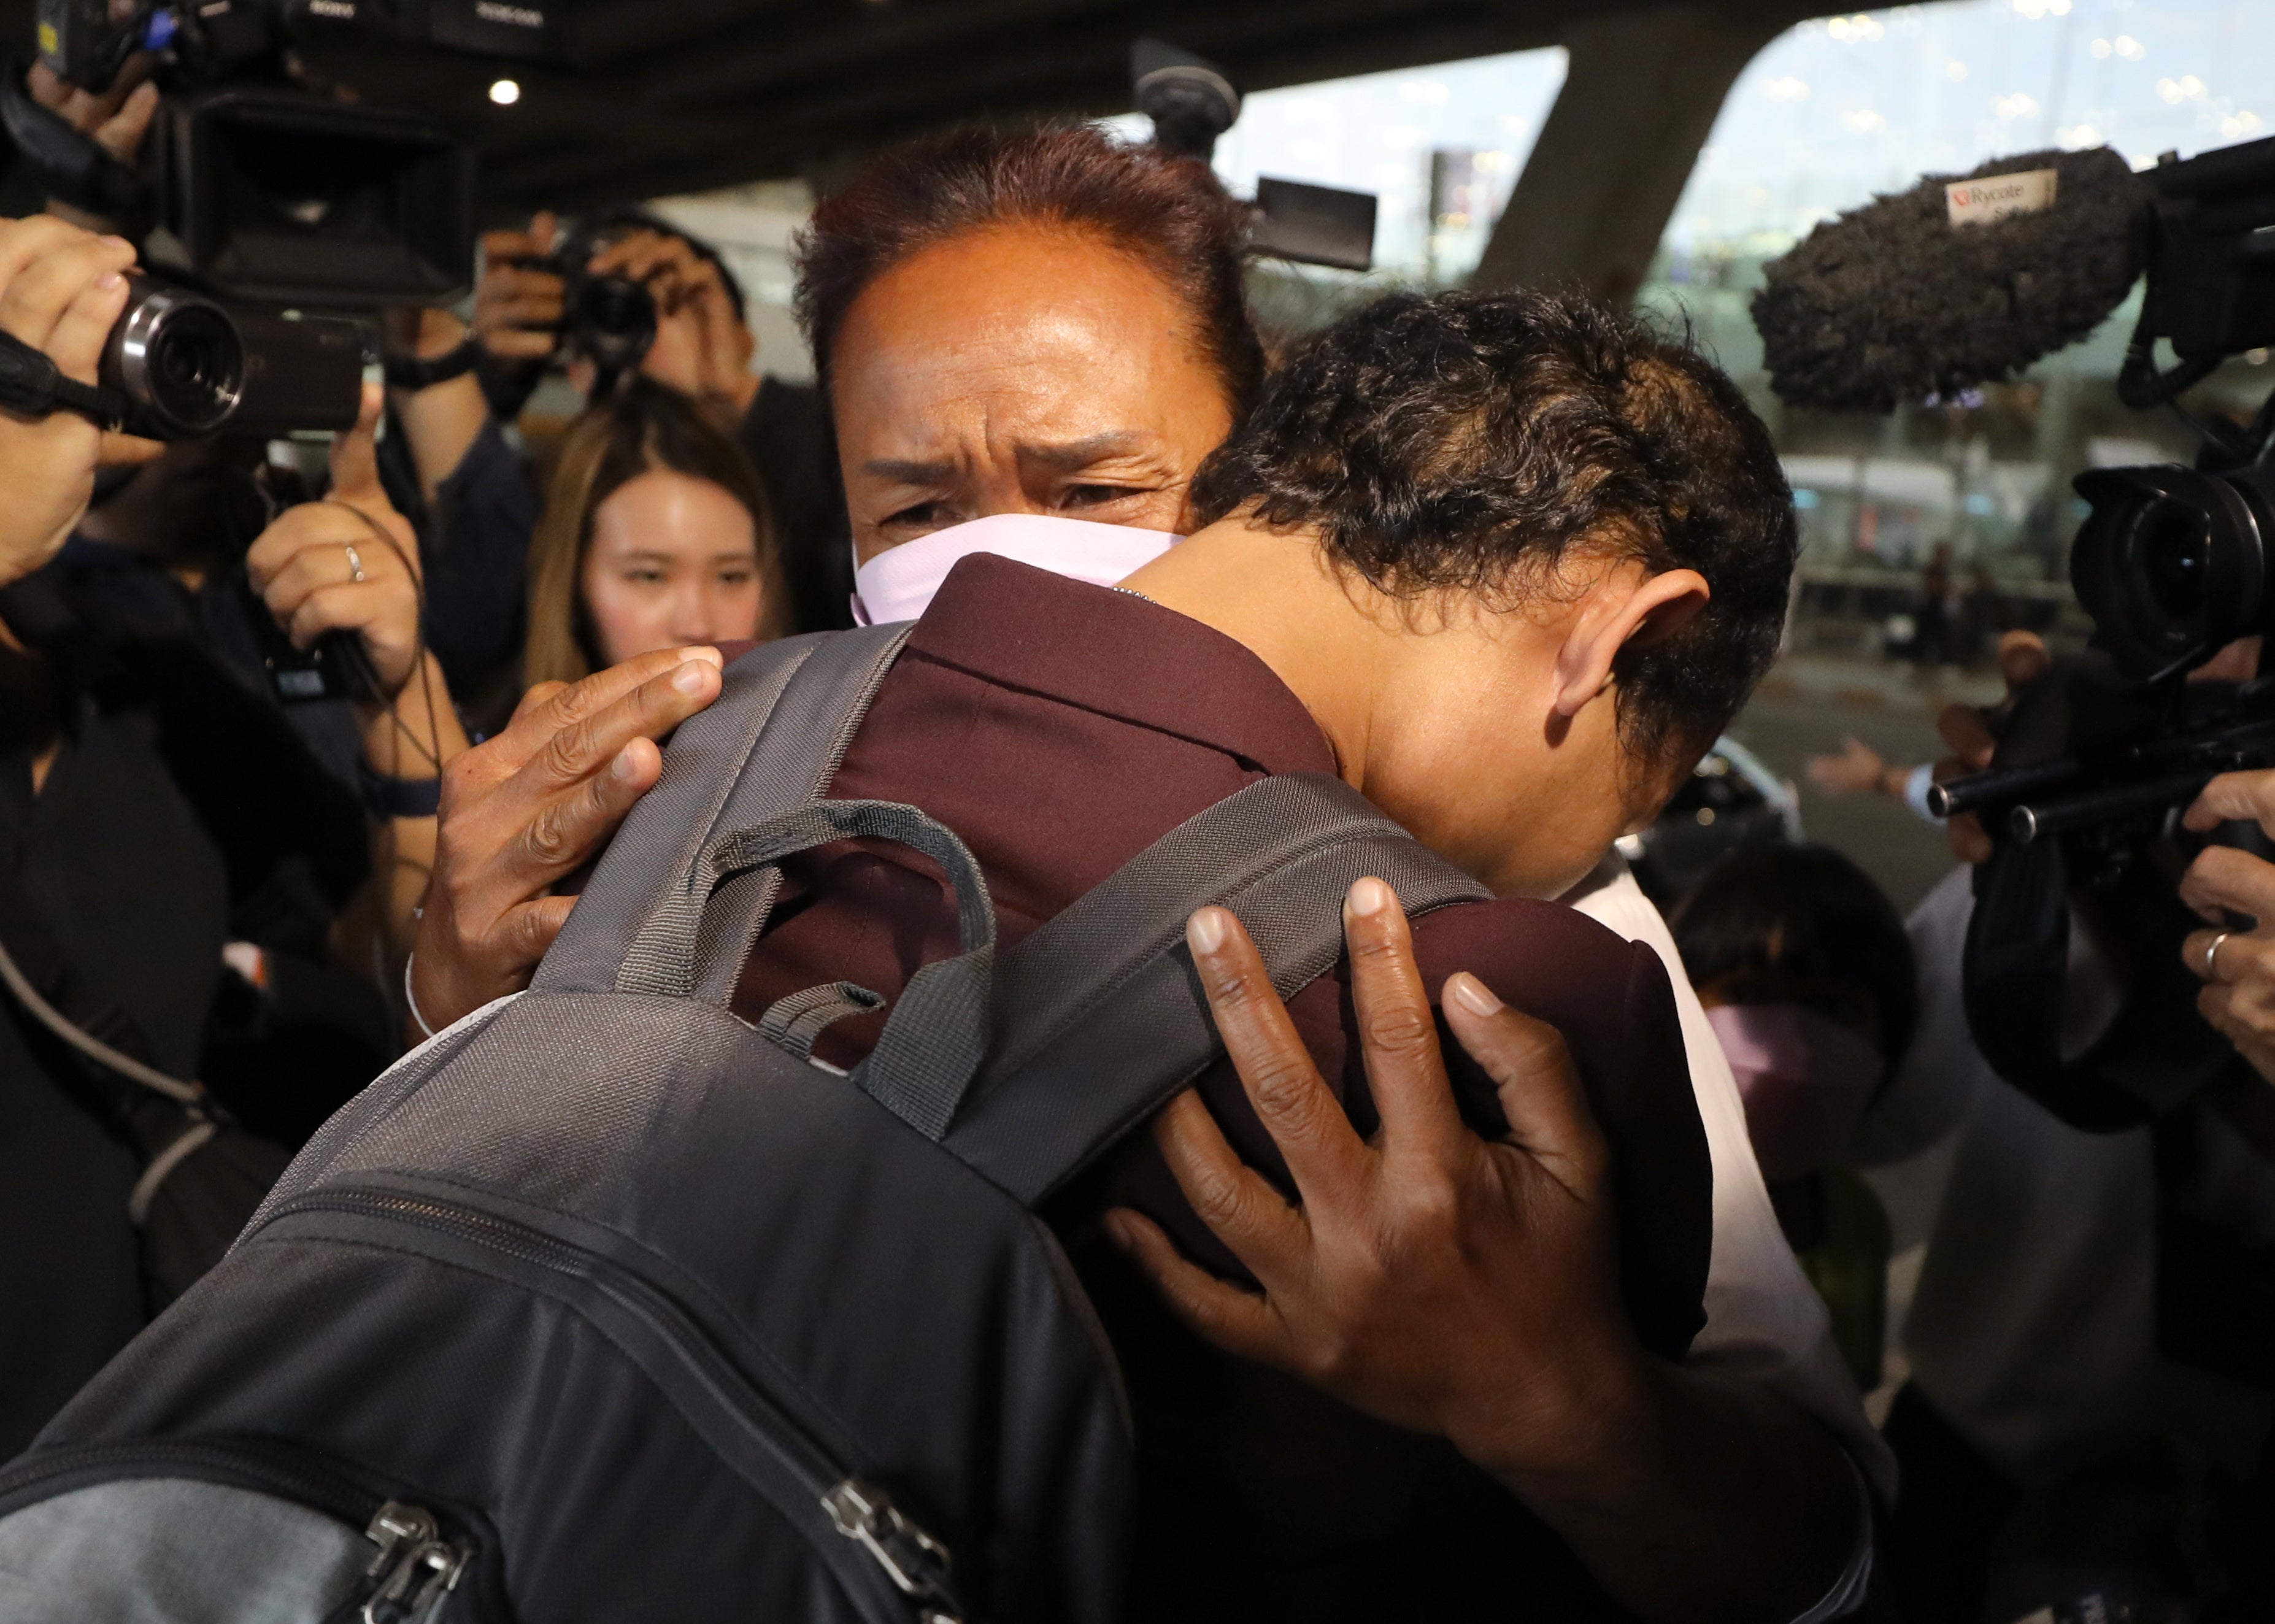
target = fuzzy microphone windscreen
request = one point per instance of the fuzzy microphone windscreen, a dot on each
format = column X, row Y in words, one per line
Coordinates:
column 1891, row 302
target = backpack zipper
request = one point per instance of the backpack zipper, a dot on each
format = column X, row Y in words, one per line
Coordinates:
column 416, row 1567
column 418, row 1564
column 892, row 1544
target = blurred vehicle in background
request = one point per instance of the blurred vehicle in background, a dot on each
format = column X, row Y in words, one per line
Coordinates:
column 1731, row 800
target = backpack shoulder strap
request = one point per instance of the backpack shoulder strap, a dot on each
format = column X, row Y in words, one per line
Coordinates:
column 1099, row 1015
column 768, row 745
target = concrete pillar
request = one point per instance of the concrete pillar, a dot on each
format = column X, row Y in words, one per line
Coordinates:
column 1640, row 96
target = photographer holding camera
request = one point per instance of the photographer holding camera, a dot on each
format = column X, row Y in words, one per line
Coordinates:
column 186, row 885
column 2092, row 1339
column 627, row 293
column 2047, row 1367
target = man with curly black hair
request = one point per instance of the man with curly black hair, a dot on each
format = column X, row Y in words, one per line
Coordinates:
column 1521, row 558
column 1510, row 444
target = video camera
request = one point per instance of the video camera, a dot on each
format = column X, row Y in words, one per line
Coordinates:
column 2096, row 764
column 1192, row 102
column 272, row 222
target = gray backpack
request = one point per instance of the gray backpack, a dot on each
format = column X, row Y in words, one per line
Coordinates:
column 606, row 1304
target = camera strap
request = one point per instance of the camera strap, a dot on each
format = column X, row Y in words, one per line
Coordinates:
column 2117, row 882
column 56, row 987
column 33, row 386
column 413, row 373
column 2154, row 1052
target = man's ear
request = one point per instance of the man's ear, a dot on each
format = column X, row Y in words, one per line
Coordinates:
column 1625, row 607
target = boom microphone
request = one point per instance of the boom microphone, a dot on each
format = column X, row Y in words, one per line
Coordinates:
column 1952, row 283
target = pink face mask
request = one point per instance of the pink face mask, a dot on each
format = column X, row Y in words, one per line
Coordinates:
column 1805, row 1080
column 898, row 583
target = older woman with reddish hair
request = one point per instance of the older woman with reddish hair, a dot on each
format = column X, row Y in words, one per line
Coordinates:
column 1043, row 333
column 1040, row 332
column 1046, row 324
column 1049, row 324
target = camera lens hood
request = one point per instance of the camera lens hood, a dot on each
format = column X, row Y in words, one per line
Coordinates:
column 177, row 359
column 2173, row 563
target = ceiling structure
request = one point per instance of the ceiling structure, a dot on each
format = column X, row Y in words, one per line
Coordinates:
column 645, row 97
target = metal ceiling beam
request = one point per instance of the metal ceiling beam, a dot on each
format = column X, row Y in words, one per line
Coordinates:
column 592, row 36
column 1072, row 70
column 662, row 95
column 1082, row 65
column 1255, row 40
column 876, row 40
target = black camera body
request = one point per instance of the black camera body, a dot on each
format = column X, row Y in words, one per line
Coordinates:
column 271, row 222
column 2212, row 268
column 608, row 320
column 254, row 190
column 2082, row 805
column 85, row 42
column 2097, row 763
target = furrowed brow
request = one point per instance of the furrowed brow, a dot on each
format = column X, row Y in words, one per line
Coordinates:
column 1071, row 456
column 906, row 473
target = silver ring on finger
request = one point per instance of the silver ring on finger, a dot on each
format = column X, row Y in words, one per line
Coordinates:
column 355, row 561
column 2211, row 955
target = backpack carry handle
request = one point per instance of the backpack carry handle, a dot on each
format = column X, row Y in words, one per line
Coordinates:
column 937, row 1033
column 670, row 955
column 768, row 745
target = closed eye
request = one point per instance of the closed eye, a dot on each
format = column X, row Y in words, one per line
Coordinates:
column 922, row 515
column 1097, row 495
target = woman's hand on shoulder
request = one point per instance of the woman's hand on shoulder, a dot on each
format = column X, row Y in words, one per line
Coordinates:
column 525, row 810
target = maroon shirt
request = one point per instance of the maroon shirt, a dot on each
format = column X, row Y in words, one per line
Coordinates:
column 1060, row 729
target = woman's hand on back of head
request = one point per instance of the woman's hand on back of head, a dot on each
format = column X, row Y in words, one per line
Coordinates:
column 529, row 807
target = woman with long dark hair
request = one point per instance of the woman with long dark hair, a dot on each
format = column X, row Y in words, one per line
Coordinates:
column 655, row 534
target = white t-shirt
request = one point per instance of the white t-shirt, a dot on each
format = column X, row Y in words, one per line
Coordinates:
column 1765, row 1325
column 1764, row 1322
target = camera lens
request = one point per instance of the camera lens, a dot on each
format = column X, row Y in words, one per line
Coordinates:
column 2175, row 543
column 196, row 368
column 2172, row 563
column 611, row 321
column 616, row 306
column 177, row 359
